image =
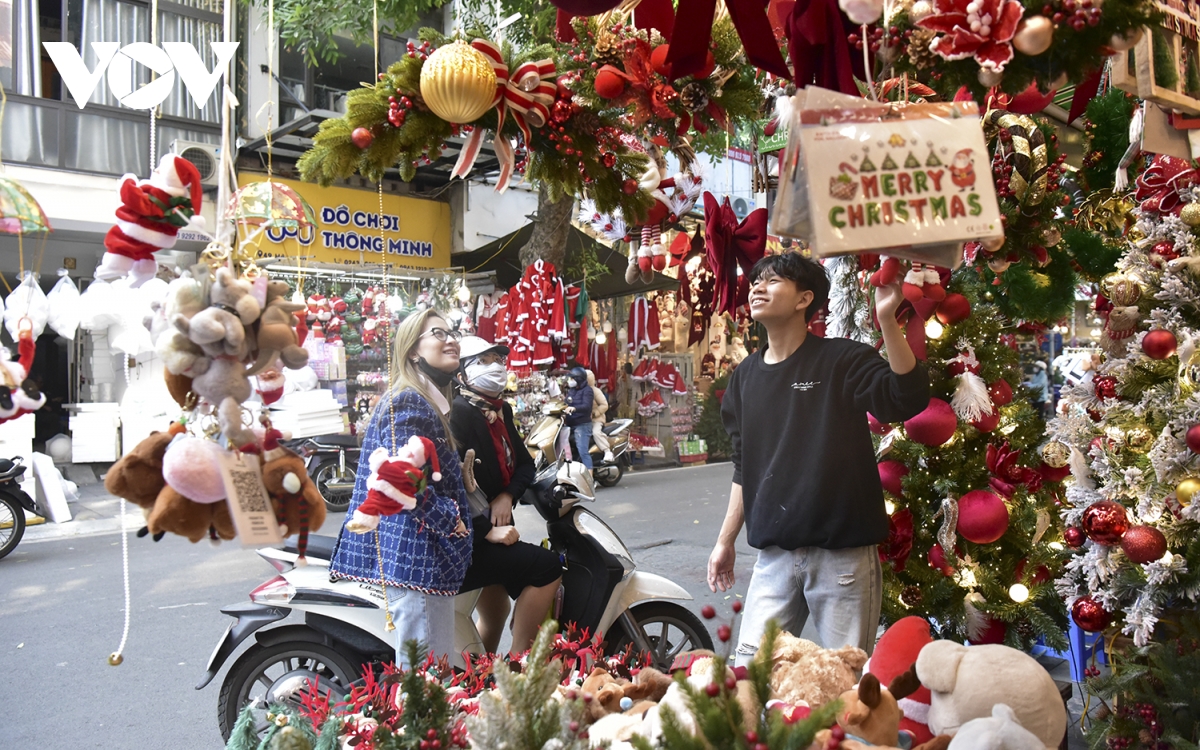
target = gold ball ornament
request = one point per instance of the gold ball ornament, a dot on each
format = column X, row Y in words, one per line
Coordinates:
column 999, row 265
column 1056, row 454
column 1121, row 290
column 920, row 9
column 992, row 244
column 1034, row 35
column 989, row 78
column 457, row 83
column 1127, row 40
column 1190, row 215
column 1139, row 439
column 115, row 659
column 1186, row 490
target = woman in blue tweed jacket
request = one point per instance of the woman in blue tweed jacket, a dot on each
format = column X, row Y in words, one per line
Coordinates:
column 426, row 551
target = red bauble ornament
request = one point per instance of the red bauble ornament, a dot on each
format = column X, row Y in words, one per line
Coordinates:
column 629, row 187
column 1165, row 250
column 362, row 137
column 877, row 427
column 982, row 517
column 1090, row 615
column 938, row 561
column 955, row 368
column 1105, row 522
column 1143, row 544
column 1193, row 438
column 933, row 426
column 1074, row 537
column 609, row 85
column 1001, row 393
column 658, row 60
column 987, row 422
column 1105, row 386
column 993, row 633
column 1159, row 344
column 609, row 160
column 891, row 474
column 954, row 309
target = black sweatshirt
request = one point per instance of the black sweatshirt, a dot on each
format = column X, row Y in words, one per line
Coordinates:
column 470, row 429
column 802, row 450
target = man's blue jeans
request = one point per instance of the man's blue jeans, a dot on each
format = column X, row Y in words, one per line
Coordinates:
column 581, row 436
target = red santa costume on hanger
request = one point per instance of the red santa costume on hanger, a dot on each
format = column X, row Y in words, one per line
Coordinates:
column 152, row 212
column 643, row 325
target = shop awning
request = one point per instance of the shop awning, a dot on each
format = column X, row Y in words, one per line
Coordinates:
column 503, row 257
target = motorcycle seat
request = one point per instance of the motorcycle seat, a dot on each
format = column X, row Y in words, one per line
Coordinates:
column 10, row 469
column 610, row 428
column 342, row 441
column 319, row 547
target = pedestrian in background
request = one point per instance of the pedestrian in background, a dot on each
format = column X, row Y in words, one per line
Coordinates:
column 579, row 414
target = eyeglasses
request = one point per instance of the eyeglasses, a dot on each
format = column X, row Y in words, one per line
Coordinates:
column 441, row 334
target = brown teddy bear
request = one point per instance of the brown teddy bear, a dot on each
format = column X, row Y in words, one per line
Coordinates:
column 277, row 338
column 138, row 476
column 175, row 513
column 806, row 672
column 647, row 688
column 298, row 503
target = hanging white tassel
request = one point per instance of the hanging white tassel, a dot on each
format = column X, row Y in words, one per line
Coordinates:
column 976, row 621
column 971, row 400
column 1080, row 469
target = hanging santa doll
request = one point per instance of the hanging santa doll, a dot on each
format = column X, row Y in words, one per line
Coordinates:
column 152, row 212
column 395, row 482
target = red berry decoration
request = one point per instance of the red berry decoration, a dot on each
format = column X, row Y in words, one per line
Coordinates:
column 933, row 426
column 1193, row 438
column 707, row 612
column 1143, row 544
column 752, row 737
column 1001, row 393
column 1105, row 522
column 982, row 517
column 1090, row 615
column 731, row 683
column 362, row 137
column 1074, row 537
column 712, row 689
column 723, row 632
column 1106, row 386
column 1159, row 344
column 737, row 606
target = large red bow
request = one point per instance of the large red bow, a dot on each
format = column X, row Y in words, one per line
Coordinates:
column 731, row 246
column 1162, row 181
column 818, row 46
column 693, row 32
column 528, row 92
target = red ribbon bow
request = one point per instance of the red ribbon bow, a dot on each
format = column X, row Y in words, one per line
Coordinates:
column 1163, row 180
column 730, row 246
column 693, row 32
column 528, row 92
column 818, row 46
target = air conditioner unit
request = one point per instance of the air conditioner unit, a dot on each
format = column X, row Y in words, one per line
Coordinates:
column 741, row 207
column 206, row 157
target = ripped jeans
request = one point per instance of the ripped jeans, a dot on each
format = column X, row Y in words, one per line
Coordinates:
column 841, row 588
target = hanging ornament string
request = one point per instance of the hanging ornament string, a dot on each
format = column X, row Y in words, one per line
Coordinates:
column 115, row 658
column 867, row 63
column 153, row 75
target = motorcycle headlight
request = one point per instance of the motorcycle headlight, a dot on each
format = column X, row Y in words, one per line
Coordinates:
column 590, row 525
column 275, row 591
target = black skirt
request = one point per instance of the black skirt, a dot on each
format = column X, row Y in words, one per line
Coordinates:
column 514, row 566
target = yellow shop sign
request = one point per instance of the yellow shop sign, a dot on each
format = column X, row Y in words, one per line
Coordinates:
column 415, row 232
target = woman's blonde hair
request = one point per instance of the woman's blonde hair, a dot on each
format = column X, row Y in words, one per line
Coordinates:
column 405, row 373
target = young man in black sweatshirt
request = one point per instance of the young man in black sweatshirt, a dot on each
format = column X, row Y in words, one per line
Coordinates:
column 805, row 481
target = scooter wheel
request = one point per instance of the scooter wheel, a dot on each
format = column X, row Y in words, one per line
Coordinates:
column 12, row 524
column 610, row 476
column 336, row 501
column 254, row 672
column 669, row 628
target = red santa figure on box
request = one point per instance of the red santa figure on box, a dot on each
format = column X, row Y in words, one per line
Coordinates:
column 151, row 214
column 395, row 482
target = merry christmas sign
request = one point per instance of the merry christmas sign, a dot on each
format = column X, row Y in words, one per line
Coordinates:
column 914, row 181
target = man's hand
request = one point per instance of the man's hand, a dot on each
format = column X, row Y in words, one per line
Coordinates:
column 505, row 535
column 569, row 410
column 887, row 300
column 501, row 508
column 720, row 567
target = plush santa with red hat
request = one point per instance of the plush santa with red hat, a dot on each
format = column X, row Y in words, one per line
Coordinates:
column 895, row 654
column 152, row 212
column 395, row 482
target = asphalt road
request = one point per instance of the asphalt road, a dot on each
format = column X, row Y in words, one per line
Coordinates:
column 61, row 609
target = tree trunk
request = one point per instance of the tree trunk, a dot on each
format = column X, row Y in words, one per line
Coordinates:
column 550, row 230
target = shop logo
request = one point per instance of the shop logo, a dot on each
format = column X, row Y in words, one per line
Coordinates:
column 174, row 57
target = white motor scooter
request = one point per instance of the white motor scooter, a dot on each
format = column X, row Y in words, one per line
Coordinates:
column 343, row 626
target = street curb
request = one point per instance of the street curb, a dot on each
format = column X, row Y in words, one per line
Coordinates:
column 52, row 532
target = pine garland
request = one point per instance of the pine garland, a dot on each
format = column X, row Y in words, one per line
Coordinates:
column 1106, row 137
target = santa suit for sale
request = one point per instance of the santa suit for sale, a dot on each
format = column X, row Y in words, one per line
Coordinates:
column 643, row 325
column 152, row 212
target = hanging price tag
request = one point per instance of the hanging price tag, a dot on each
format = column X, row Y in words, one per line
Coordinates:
column 249, row 503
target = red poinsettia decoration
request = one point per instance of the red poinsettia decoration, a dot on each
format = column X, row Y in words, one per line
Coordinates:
column 898, row 546
column 1006, row 474
column 982, row 29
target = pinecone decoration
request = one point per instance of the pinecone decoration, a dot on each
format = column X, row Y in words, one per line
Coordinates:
column 586, row 121
column 919, row 53
column 607, row 52
column 1026, row 630
column 693, row 97
column 911, row 596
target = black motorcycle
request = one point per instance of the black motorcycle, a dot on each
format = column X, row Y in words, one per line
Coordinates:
column 332, row 462
column 13, row 504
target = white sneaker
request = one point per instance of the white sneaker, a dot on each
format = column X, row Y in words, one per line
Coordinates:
column 609, row 457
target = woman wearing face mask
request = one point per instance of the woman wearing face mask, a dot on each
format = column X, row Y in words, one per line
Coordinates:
column 579, row 414
column 500, row 564
column 425, row 551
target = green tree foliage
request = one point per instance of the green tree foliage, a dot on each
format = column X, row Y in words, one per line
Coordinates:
column 710, row 428
column 312, row 26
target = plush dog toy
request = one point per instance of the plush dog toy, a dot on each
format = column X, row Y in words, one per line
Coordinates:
column 220, row 328
column 138, row 475
column 277, row 339
column 967, row 683
column 395, row 482
column 174, row 513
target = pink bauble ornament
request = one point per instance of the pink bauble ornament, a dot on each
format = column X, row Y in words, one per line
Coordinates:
column 982, row 517
column 190, row 468
column 1105, row 522
column 987, row 422
column 934, row 426
column 891, row 475
column 1090, row 615
column 1143, row 544
column 1159, row 344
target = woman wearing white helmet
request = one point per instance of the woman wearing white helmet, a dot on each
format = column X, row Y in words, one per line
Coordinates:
column 501, row 565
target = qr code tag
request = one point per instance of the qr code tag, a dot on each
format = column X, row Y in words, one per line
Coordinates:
column 249, row 504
